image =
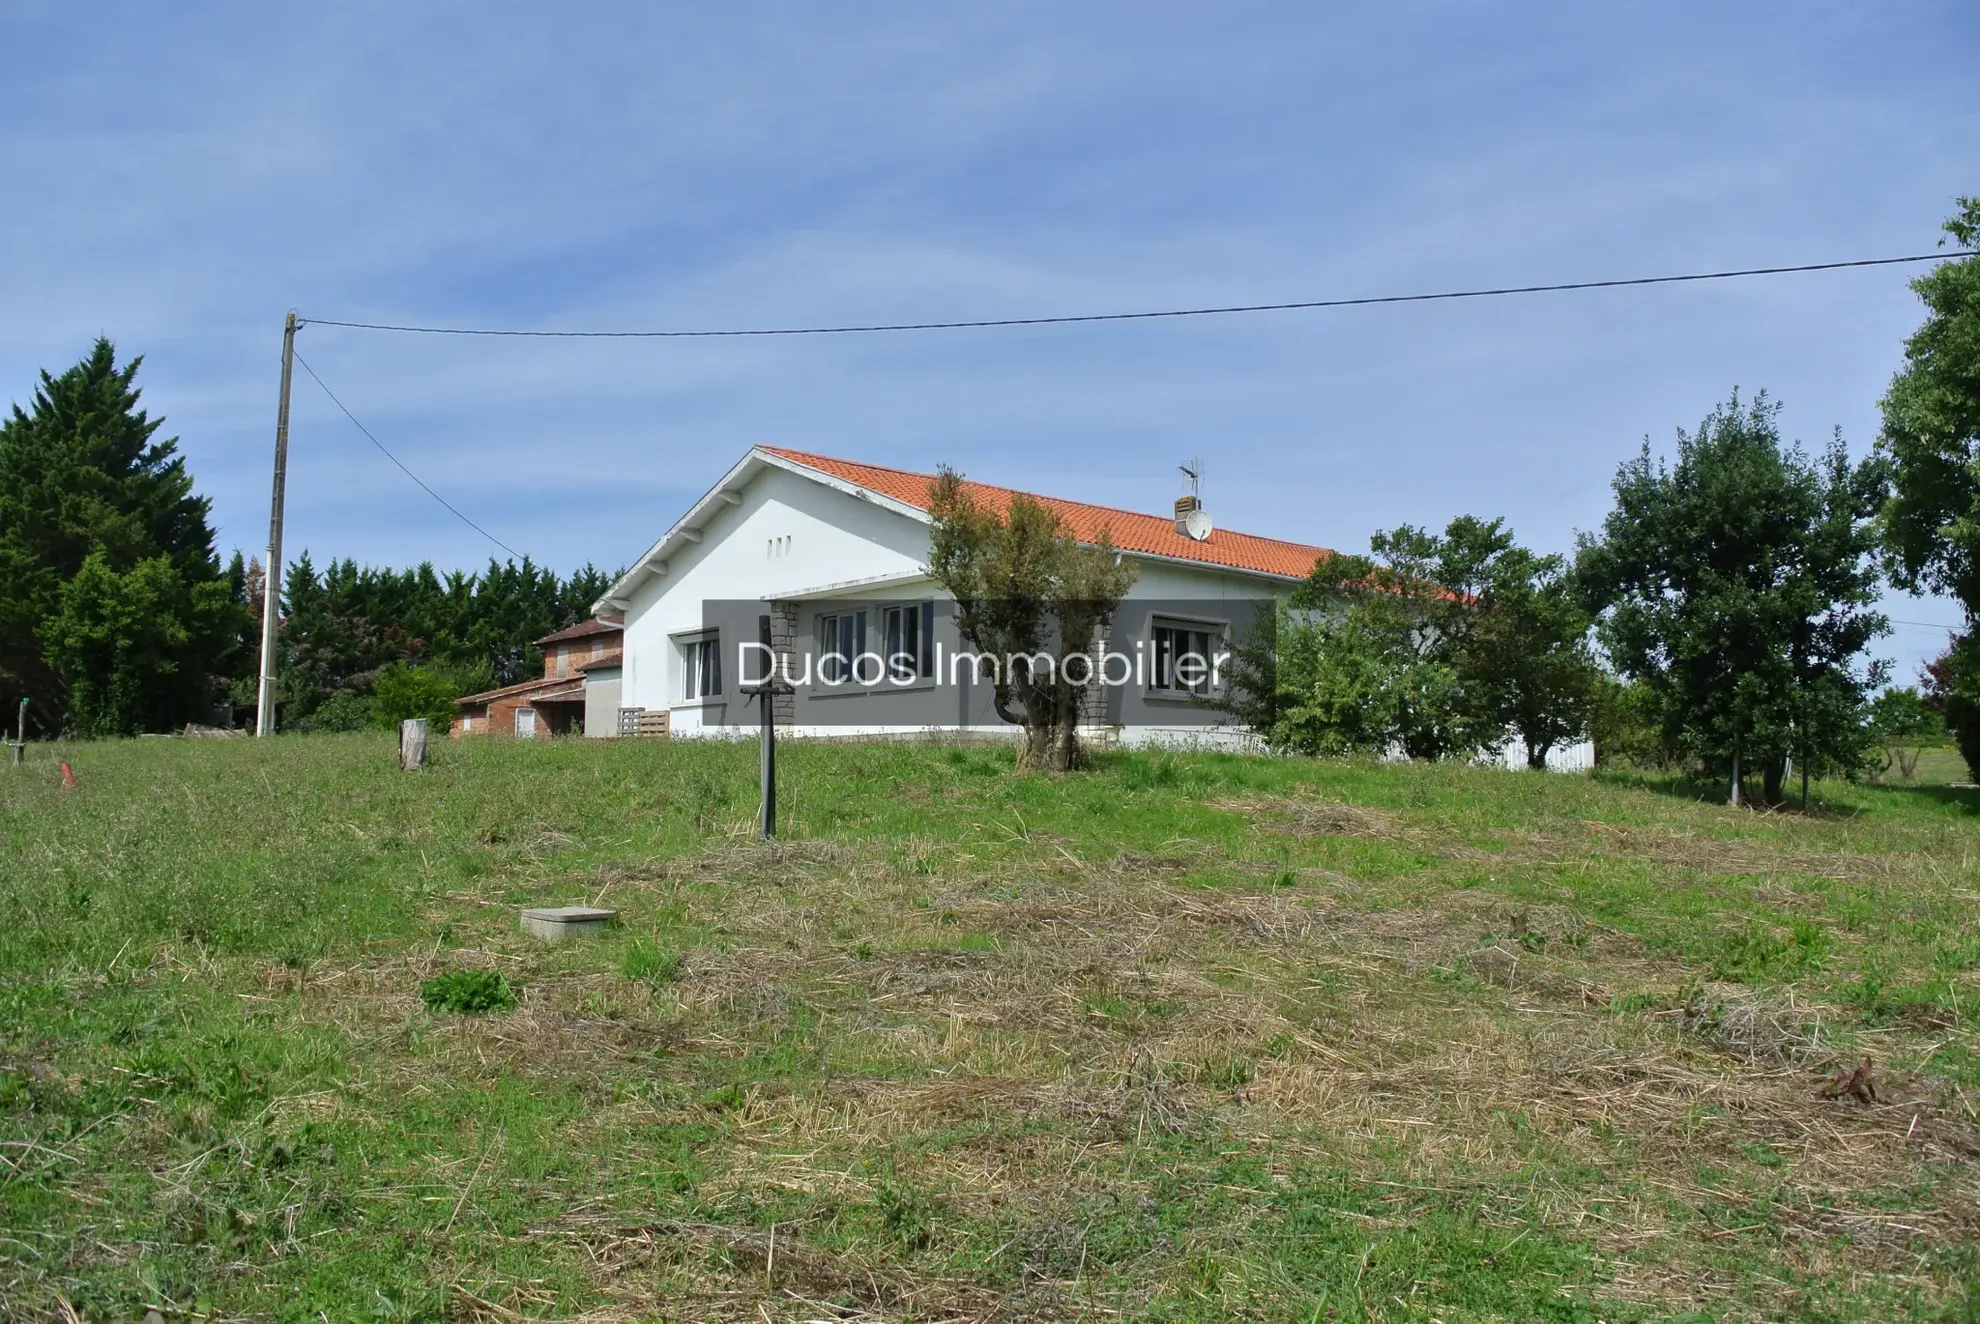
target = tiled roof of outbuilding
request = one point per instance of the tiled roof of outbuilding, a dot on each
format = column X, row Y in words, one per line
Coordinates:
column 544, row 683
column 581, row 630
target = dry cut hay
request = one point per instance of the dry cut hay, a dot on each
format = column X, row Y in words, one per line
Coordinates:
column 698, row 1264
column 1305, row 816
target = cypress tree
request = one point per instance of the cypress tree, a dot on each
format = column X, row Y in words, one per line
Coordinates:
column 84, row 480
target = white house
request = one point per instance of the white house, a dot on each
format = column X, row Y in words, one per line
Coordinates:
column 830, row 557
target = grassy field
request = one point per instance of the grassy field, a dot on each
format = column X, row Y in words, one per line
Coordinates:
column 1184, row 1038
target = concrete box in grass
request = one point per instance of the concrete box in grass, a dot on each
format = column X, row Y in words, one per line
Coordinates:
column 558, row 922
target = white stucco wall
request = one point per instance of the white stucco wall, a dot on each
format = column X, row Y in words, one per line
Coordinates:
column 788, row 535
column 601, row 701
column 1577, row 757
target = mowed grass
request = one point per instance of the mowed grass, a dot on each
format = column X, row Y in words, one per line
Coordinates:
column 1182, row 1038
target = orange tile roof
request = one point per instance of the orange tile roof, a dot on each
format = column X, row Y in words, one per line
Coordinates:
column 1131, row 531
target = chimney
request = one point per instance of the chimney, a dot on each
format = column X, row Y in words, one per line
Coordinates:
column 1185, row 507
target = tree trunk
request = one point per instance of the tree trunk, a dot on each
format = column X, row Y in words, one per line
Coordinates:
column 1048, row 747
column 1773, row 775
column 1536, row 757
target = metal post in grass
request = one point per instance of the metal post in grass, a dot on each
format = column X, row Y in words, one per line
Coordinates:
column 765, row 694
column 17, row 749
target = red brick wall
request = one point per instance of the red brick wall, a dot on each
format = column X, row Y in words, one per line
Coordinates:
column 499, row 718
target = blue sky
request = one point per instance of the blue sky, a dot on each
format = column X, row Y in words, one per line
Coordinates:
column 180, row 177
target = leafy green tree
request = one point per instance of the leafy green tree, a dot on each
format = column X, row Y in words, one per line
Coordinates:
column 1626, row 727
column 1435, row 644
column 1527, row 657
column 1931, row 433
column 1027, row 594
column 1328, row 678
column 1951, row 688
column 83, row 475
column 122, row 644
column 1903, row 725
column 1735, row 584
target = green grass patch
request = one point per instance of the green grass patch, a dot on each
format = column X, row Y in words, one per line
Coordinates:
column 1185, row 1037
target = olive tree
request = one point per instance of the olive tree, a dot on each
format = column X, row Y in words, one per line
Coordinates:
column 1028, row 596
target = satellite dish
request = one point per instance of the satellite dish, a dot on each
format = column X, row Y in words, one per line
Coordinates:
column 1198, row 524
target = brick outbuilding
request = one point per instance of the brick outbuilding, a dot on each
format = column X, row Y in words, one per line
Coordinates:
column 554, row 703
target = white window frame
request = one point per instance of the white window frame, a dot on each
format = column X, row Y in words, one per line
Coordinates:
column 906, row 632
column 1163, row 678
column 701, row 665
column 841, row 643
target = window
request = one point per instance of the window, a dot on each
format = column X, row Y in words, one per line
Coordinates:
column 909, row 631
column 701, row 666
column 1185, row 657
column 526, row 723
column 841, row 640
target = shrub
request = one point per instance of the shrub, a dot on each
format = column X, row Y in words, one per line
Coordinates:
column 468, row 992
column 342, row 711
column 403, row 692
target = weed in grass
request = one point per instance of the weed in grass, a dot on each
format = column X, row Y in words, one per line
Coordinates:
column 1756, row 954
column 468, row 992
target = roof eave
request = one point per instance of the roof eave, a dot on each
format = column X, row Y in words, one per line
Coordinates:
column 618, row 597
column 1195, row 564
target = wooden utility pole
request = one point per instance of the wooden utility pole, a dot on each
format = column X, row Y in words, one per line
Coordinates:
column 271, row 573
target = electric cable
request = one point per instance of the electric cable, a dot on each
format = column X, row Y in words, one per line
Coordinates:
column 402, row 468
column 1138, row 316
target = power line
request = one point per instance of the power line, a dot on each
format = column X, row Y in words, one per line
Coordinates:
column 1143, row 316
column 402, row 468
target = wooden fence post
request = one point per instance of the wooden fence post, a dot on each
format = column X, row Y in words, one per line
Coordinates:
column 412, row 743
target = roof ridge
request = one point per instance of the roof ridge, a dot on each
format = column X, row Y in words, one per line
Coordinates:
column 788, row 453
